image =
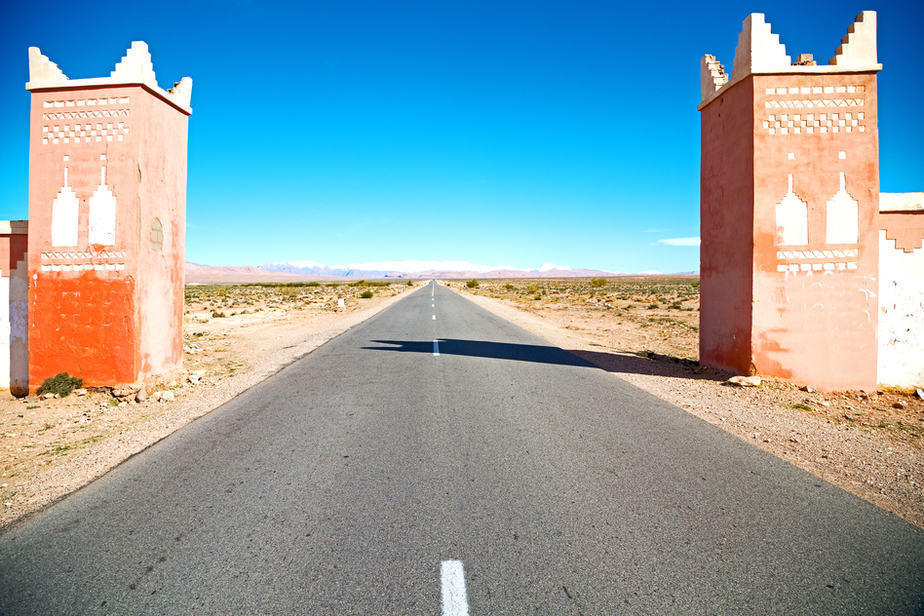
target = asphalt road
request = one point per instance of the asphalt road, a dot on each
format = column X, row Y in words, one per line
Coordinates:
column 351, row 481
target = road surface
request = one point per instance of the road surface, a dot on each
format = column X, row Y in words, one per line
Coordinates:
column 437, row 458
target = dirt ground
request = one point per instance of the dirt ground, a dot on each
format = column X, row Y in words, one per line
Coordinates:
column 234, row 337
column 645, row 329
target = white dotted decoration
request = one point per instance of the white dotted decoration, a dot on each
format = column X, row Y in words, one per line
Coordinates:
column 86, row 133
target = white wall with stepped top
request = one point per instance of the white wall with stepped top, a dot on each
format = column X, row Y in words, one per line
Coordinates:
column 901, row 315
column 901, row 290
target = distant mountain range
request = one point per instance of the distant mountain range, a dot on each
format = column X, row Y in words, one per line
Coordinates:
column 425, row 269
column 294, row 271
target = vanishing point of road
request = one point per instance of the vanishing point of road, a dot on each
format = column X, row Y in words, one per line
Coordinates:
column 438, row 459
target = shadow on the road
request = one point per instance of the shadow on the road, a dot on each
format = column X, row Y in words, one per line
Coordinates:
column 650, row 363
column 480, row 348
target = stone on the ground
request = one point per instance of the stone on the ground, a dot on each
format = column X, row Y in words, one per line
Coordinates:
column 80, row 391
column 127, row 390
column 141, row 396
column 808, row 389
column 901, row 404
column 744, row 381
column 163, row 396
column 48, row 395
column 919, row 393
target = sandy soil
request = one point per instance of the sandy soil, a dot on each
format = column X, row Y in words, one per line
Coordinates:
column 645, row 331
column 50, row 447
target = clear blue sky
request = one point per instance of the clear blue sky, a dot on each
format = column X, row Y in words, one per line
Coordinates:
column 495, row 132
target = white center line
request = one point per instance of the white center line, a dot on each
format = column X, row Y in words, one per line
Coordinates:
column 436, row 347
column 434, row 317
column 452, row 588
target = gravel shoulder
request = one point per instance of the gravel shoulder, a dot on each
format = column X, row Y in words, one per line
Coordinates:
column 51, row 447
column 819, row 433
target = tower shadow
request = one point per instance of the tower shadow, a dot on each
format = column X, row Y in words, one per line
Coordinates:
column 627, row 363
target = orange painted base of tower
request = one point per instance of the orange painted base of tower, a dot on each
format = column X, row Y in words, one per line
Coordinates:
column 82, row 324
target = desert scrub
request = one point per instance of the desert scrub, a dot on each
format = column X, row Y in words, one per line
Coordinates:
column 370, row 283
column 218, row 315
column 366, row 294
column 597, row 282
column 279, row 285
column 61, row 384
column 472, row 284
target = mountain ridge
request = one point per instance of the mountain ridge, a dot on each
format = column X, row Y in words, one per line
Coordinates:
column 296, row 271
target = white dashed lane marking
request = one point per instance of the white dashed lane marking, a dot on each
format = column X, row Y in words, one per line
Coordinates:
column 436, row 347
column 452, row 588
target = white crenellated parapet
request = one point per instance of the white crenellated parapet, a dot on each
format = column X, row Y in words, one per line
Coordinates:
column 712, row 76
column 43, row 71
column 759, row 50
column 181, row 92
column 858, row 46
column 135, row 67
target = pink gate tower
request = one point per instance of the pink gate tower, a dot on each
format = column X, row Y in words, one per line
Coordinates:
column 107, row 222
column 789, row 210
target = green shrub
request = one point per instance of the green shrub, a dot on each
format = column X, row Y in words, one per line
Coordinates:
column 366, row 294
column 218, row 315
column 532, row 288
column 509, row 287
column 272, row 285
column 471, row 284
column 597, row 282
column 61, row 384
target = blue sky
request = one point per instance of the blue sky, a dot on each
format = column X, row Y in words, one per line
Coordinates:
column 495, row 133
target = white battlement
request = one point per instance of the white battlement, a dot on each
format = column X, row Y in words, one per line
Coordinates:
column 135, row 68
column 760, row 52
